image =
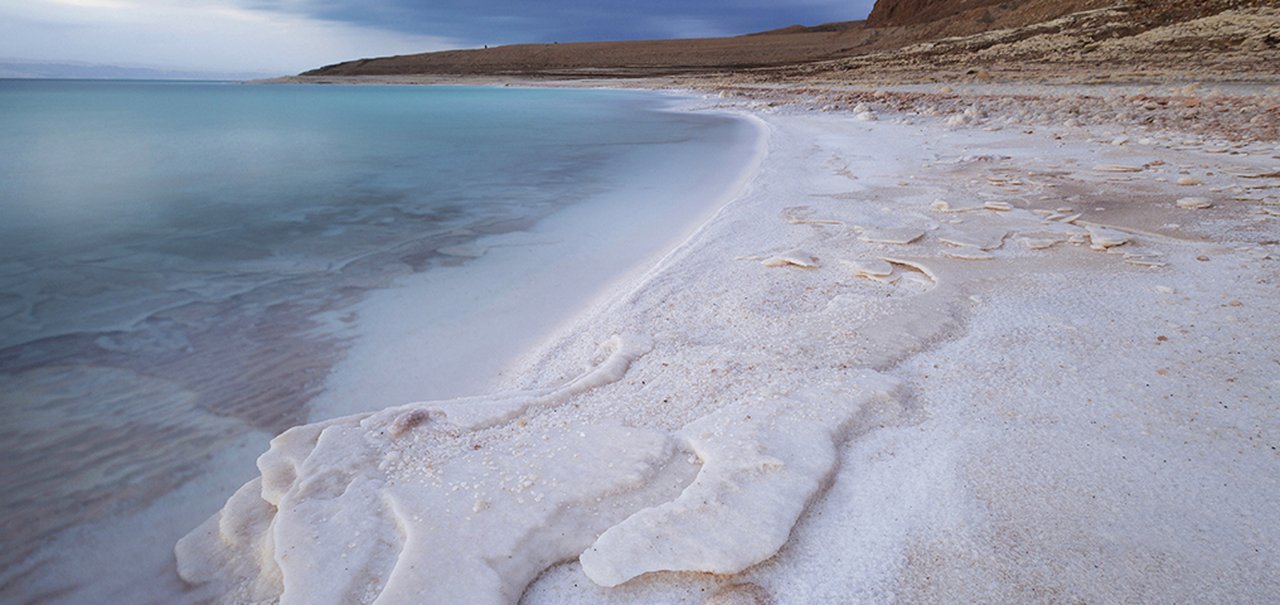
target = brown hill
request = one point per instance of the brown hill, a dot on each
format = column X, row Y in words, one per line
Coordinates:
column 1132, row 40
column 916, row 40
column 914, row 12
column 786, row 46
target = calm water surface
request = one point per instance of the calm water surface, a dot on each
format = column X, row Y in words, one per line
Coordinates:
column 174, row 256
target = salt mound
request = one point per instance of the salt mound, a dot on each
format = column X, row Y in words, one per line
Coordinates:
column 1102, row 238
column 760, row 468
column 1194, row 203
column 869, row 267
column 357, row 509
column 793, row 258
column 458, row 502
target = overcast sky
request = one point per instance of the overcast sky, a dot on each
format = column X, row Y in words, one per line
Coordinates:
column 287, row 36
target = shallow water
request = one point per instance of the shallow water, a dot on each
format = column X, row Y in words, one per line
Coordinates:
column 178, row 261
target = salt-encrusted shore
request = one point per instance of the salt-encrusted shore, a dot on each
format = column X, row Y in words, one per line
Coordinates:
column 920, row 359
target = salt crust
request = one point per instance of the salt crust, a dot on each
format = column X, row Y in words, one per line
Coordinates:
column 773, row 378
column 353, row 510
column 760, row 468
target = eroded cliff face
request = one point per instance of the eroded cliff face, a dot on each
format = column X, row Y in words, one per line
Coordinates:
column 912, row 12
column 998, row 14
column 980, row 14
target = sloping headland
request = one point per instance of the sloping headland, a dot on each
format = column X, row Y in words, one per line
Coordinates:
column 905, row 41
column 994, row 321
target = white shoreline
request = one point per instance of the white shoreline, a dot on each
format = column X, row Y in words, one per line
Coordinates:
column 438, row 335
column 1070, row 423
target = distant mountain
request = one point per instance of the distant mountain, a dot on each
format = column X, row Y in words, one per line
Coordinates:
column 16, row 68
column 917, row 41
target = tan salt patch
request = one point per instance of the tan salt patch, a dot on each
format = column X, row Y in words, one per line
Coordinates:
column 793, row 258
column 869, row 267
column 1102, row 238
column 963, row 254
column 1117, row 168
column 915, row 267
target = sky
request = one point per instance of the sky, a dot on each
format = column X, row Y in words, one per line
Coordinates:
column 287, row 36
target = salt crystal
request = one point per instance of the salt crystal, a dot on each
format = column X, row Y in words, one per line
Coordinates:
column 1103, row 238
column 1194, row 203
column 794, row 258
column 869, row 267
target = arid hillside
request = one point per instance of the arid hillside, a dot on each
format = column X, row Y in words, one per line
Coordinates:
column 916, row 40
column 1135, row 40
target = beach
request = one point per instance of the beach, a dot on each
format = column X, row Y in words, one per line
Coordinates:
column 729, row 303
column 185, row 281
column 943, row 345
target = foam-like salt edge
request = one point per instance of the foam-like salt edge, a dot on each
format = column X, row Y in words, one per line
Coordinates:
column 356, row 509
column 760, row 467
column 340, row 494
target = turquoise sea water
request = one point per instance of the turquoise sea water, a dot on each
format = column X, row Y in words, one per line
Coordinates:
column 172, row 256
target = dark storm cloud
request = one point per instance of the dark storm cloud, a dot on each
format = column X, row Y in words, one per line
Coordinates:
column 510, row 21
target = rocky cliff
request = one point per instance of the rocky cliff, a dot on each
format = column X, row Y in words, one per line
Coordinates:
column 917, row 40
column 913, row 12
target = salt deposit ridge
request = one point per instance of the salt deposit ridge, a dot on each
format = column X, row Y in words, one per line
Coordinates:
column 911, row 362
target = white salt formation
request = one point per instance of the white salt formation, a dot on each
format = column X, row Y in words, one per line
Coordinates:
column 953, row 438
column 354, row 510
column 1102, row 238
column 870, row 267
column 792, row 258
column 1194, row 203
column 760, row 468
column 964, row 254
